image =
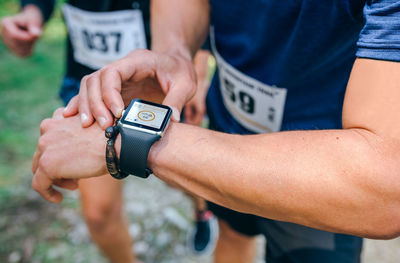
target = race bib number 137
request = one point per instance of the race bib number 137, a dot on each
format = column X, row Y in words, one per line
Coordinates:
column 99, row 38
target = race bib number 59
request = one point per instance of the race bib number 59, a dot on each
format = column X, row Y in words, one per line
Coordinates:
column 255, row 105
column 99, row 38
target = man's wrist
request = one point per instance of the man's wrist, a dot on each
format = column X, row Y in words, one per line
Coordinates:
column 179, row 50
column 153, row 159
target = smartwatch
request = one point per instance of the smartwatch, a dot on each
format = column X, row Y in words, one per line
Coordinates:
column 141, row 124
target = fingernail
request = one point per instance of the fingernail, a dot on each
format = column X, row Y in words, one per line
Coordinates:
column 36, row 31
column 84, row 117
column 117, row 111
column 65, row 109
column 102, row 121
column 176, row 114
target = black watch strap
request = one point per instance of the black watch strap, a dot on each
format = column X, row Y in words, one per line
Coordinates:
column 135, row 147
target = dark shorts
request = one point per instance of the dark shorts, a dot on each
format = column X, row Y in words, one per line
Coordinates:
column 69, row 88
column 292, row 243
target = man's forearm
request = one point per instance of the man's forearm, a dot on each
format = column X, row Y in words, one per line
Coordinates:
column 179, row 25
column 331, row 180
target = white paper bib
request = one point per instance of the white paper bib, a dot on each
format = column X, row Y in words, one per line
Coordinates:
column 255, row 105
column 99, row 38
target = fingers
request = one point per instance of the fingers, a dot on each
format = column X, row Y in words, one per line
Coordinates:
column 96, row 105
column 70, row 184
column 21, row 49
column 58, row 114
column 44, row 126
column 200, row 111
column 100, row 92
column 178, row 95
column 17, row 35
column 42, row 184
column 104, row 87
column 194, row 113
column 15, row 28
column 35, row 31
column 111, row 84
column 84, row 109
column 188, row 114
column 138, row 65
column 72, row 108
column 179, row 85
column 198, row 118
column 35, row 161
column 175, row 100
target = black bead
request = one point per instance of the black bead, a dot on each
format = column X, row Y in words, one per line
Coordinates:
column 110, row 132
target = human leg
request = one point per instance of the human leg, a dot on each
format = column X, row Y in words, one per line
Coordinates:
column 237, row 231
column 233, row 247
column 204, row 235
column 101, row 199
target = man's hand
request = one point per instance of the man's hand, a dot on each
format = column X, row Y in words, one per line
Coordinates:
column 20, row 32
column 144, row 74
column 66, row 152
column 195, row 109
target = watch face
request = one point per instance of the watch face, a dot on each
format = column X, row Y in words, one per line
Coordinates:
column 148, row 115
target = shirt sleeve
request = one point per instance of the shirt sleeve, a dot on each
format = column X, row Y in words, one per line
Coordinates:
column 45, row 6
column 380, row 36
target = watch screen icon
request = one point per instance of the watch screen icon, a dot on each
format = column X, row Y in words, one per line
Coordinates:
column 146, row 115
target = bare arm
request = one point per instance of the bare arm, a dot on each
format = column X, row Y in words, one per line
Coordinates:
column 179, row 26
column 337, row 180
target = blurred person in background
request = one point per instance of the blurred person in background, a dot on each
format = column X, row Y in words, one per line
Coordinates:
column 101, row 32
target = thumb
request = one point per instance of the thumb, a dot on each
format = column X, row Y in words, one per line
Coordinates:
column 177, row 97
column 176, row 113
column 35, row 30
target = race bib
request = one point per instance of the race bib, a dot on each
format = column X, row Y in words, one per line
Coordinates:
column 99, row 38
column 255, row 105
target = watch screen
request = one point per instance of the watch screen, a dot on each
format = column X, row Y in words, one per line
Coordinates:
column 145, row 114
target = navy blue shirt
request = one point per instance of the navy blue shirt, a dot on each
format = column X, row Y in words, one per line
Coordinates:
column 305, row 46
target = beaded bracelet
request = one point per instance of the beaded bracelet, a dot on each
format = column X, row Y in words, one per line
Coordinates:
column 111, row 156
